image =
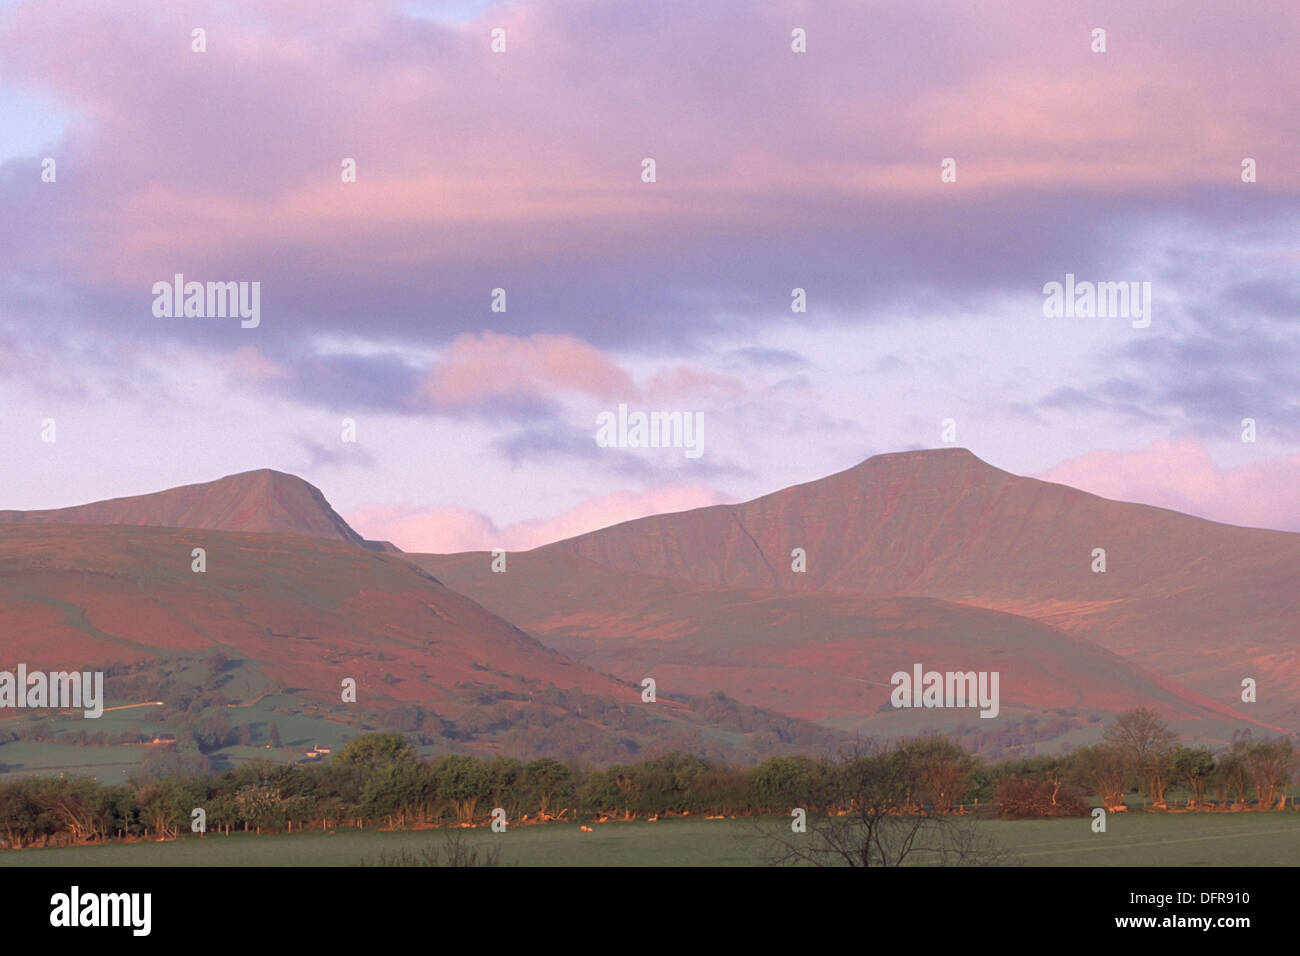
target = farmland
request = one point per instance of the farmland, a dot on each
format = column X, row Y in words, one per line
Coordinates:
column 1135, row 839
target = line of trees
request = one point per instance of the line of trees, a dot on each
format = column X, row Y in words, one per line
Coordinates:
column 379, row 779
column 1139, row 752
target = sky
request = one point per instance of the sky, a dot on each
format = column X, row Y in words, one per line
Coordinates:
column 523, row 170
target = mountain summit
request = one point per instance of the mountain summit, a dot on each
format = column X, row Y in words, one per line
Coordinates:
column 262, row 501
column 1203, row 602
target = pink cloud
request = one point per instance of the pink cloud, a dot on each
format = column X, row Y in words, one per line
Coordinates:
column 192, row 155
column 683, row 381
column 439, row 530
column 446, row 530
column 251, row 364
column 1180, row 474
column 478, row 367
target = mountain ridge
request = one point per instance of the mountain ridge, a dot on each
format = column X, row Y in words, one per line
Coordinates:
column 1202, row 602
column 261, row 501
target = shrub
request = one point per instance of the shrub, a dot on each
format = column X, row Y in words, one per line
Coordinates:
column 1020, row 798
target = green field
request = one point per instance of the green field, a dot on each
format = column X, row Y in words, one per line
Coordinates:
column 116, row 763
column 1139, row 839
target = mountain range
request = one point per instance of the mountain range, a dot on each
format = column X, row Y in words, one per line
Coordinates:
column 794, row 608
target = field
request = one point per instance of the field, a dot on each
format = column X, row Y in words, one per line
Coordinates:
column 1139, row 839
column 116, row 763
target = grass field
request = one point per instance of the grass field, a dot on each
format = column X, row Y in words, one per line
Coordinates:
column 1139, row 839
column 117, row 763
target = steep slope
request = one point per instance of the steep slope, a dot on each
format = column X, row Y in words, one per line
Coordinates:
column 310, row 612
column 262, row 501
column 1205, row 603
column 819, row 656
column 305, row 614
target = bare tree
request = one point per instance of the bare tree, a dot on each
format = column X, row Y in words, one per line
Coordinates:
column 1272, row 764
column 1195, row 766
column 453, row 850
column 1101, row 769
column 1146, row 743
column 885, row 808
column 1233, row 772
